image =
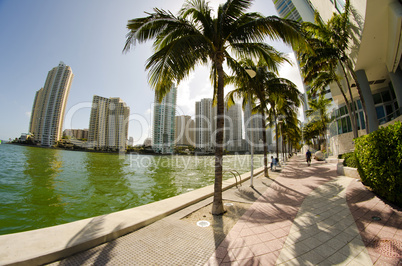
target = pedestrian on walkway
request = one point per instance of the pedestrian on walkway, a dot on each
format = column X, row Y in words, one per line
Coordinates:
column 308, row 157
column 272, row 162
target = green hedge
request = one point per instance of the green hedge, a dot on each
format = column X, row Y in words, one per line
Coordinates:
column 379, row 161
column 349, row 159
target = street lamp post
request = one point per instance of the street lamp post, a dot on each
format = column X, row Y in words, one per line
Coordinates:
column 280, row 121
column 252, row 74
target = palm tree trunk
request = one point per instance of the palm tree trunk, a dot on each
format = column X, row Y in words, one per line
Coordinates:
column 217, row 205
column 264, row 140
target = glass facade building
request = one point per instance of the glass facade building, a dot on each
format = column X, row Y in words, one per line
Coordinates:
column 164, row 122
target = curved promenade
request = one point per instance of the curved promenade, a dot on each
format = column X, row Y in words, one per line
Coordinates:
column 302, row 216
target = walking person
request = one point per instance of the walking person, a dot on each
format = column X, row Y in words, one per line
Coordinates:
column 272, row 162
column 308, row 157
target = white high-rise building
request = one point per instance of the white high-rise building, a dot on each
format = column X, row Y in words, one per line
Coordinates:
column 185, row 131
column 108, row 123
column 49, row 106
column 205, row 124
column 253, row 125
column 233, row 128
column 164, row 122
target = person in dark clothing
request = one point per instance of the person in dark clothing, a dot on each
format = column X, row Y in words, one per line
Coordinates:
column 308, row 157
column 272, row 162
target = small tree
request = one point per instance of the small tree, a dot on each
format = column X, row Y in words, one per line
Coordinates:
column 319, row 117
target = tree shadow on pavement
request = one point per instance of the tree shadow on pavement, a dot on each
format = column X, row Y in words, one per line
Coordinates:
column 82, row 251
column 378, row 222
column 275, row 211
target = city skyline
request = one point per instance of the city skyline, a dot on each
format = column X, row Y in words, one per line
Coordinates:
column 92, row 45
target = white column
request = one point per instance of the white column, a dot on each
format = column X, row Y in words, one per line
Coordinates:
column 368, row 99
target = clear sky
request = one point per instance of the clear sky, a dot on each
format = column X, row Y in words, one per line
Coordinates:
column 89, row 37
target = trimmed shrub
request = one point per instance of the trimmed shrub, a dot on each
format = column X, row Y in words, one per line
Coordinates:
column 349, row 159
column 379, row 161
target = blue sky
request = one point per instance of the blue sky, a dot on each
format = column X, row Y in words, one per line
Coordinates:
column 89, row 37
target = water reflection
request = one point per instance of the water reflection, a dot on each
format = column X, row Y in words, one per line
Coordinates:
column 109, row 184
column 162, row 174
column 42, row 203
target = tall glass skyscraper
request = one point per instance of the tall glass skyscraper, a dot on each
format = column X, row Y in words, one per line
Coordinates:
column 205, row 124
column 253, row 126
column 286, row 9
column 163, row 132
column 49, row 105
column 233, row 128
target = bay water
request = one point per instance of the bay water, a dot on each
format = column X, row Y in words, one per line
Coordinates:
column 41, row 187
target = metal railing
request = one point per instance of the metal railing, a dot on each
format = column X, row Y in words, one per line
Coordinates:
column 233, row 172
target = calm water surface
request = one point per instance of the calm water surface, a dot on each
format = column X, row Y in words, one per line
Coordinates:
column 44, row 187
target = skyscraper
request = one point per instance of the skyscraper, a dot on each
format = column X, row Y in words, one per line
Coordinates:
column 233, row 128
column 108, row 123
column 185, row 131
column 253, row 126
column 286, row 9
column 205, row 124
column 164, row 122
column 49, row 105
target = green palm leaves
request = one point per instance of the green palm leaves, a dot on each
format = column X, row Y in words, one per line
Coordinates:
column 328, row 61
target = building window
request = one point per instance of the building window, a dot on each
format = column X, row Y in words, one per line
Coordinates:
column 340, row 5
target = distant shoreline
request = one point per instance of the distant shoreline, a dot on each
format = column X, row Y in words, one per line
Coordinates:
column 148, row 152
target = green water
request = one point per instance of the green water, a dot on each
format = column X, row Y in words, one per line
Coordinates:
column 44, row 187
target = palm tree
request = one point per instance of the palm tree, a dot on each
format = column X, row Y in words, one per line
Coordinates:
column 319, row 115
column 330, row 42
column 291, row 133
column 284, row 103
column 256, row 89
column 195, row 37
column 320, row 66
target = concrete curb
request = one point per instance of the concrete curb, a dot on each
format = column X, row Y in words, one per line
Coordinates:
column 347, row 171
column 53, row 243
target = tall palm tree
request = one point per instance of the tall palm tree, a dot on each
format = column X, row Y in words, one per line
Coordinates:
column 330, row 43
column 195, row 37
column 256, row 89
column 319, row 70
column 284, row 103
column 290, row 129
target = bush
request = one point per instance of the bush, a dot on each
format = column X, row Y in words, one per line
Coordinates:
column 379, row 161
column 349, row 159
